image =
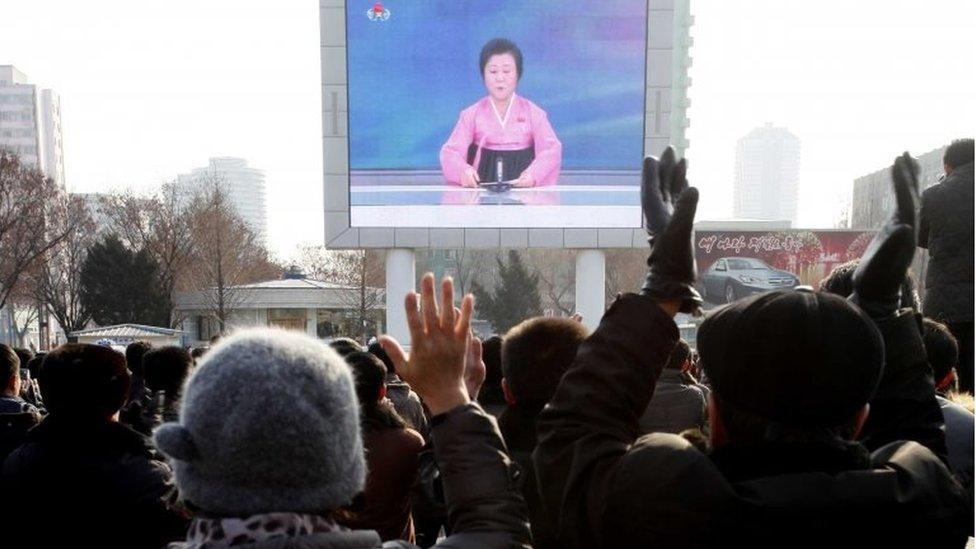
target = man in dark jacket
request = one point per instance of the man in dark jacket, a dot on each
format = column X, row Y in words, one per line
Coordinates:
column 81, row 473
column 17, row 416
column 897, row 414
column 535, row 355
column 791, row 373
column 678, row 403
column 946, row 229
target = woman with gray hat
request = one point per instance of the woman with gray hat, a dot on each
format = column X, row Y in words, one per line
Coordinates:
column 269, row 445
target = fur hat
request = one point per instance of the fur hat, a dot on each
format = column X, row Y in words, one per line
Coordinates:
column 269, row 423
column 793, row 356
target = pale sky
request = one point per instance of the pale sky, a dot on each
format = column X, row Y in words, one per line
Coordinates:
column 153, row 89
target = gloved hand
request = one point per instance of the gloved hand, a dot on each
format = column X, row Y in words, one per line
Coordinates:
column 669, row 206
column 881, row 271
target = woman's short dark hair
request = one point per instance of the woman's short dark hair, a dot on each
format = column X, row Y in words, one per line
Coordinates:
column 499, row 46
column 369, row 375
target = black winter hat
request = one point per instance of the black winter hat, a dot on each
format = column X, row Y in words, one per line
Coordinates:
column 793, row 356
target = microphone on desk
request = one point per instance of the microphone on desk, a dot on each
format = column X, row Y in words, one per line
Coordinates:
column 499, row 170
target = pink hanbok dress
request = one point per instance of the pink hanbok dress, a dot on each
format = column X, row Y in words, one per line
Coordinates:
column 503, row 145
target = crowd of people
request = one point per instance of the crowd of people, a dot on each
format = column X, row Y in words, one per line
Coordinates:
column 801, row 418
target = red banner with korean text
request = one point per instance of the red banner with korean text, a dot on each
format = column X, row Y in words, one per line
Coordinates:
column 735, row 264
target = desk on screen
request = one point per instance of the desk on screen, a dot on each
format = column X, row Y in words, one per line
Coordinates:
column 615, row 206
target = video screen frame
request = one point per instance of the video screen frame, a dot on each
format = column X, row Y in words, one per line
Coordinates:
column 662, row 35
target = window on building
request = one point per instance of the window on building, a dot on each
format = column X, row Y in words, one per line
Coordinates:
column 288, row 319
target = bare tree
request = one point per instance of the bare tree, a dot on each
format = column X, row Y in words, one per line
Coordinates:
column 160, row 224
column 57, row 281
column 27, row 201
column 469, row 264
column 362, row 272
column 626, row 270
column 22, row 308
column 226, row 254
column 557, row 279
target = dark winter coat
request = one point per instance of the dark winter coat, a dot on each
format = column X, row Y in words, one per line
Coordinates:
column 17, row 416
column 675, row 406
column 904, row 407
column 407, row 404
column 946, row 229
column 91, row 480
column 518, row 426
column 392, row 459
column 608, row 487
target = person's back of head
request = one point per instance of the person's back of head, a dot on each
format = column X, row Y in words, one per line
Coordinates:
column 790, row 364
column 25, row 355
column 535, row 355
column 9, row 371
column 166, row 368
column 345, row 345
column 375, row 349
column 942, row 351
column 958, row 153
column 34, row 366
column 491, row 390
column 197, row 353
column 83, row 381
column 680, row 355
column 369, row 374
column 840, row 282
column 134, row 352
column 269, row 423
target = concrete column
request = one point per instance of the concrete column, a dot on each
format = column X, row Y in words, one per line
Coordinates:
column 590, row 286
column 312, row 322
column 400, row 278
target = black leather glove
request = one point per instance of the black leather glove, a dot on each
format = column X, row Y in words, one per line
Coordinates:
column 669, row 209
column 879, row 275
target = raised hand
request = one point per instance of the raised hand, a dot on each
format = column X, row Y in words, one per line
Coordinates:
column 475, row 370
column 439, row 341
column 881, row 271
column 669, row 206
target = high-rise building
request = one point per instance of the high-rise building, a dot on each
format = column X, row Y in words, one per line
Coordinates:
column 767, row 173
column 30, row 123
column 244, row 187
column 874, row 200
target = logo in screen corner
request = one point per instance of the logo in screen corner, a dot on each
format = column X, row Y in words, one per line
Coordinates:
column 378, row 13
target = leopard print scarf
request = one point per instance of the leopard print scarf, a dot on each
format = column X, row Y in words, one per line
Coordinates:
column 207, row 533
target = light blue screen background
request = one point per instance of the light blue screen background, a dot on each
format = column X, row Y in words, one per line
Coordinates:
column 411, row 75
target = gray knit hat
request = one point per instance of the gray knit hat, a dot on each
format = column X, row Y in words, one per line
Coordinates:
column 269, row 423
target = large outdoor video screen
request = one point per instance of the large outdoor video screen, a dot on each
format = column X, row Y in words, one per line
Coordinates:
column 496, row 113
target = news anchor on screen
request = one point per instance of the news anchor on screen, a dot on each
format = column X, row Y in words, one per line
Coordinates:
column 502, row 137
